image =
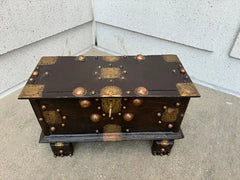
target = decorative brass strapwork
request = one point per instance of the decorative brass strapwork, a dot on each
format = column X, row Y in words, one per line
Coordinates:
column 110, row 73
column 48, row 60
column 187, row 89
column 111, row 58
column 32, row 91
column 111, row 91
column 170, row 114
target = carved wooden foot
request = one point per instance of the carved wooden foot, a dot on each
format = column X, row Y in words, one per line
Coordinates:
column 62, row 149
column 162, row 147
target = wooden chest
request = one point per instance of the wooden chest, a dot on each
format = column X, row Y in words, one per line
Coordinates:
column 109, row 98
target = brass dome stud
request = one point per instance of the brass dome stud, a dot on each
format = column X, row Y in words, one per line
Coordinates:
column 170, row 126
column 43, row 107
column 141, row 91
column 164, row 143
column 182, row 70
column 85, row 103
column 137, row 102
column 53, row 129
column 95, row 117
column 61, row 151
column 178, row 104
column 140, row 57
column 81, row 58
column 35, row 73
column 79, row 91
column 128, row 116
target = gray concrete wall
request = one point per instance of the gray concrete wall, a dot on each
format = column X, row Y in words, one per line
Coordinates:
column 31, row 29
column 202, row 33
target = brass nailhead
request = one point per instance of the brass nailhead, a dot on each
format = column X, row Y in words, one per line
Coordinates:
column 64, row 117
column 159, row 114
column 178, row 104
column 97, row 131
column 163, row 150
column 63, row 125
column 140, row 57
column 93, row 92
column 119, row 114
column 31, row 79
column 127, row 130
column 85, row 103
column 35, row 73
column 159, row 122
column 137, row 102
column 128, row 92
column 164, row 107
column 95, row 117
column 170, row 126
column 128, row 116
column 58, row 110
column 99, row 107
column 61, row 151
column 40, row 119
column 124, row 107
column 182, row 70
column 52, row 129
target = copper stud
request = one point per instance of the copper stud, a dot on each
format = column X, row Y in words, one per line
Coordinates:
column 31, row 79
column 182, row 70
column 85, row 103
column 124, row 107
column 164, row 107
column 52, row 129
column 140, row 57
column 164, row 143
column 163, row 150
column 141, row 91
column 128, row 116
column 35, row 73
column 93, row 92
column 127, row 130
column 40, row 119
column 159, row 122
column 137, row 102
column 99, row 107
column 43, row 107
column 81, row 58
column 178, row 104
column 170, row 126
column 128, row 92
column 63, row 124
column 58, row 110
column 64, row 117
column 124, row 72
column 97, row 131
column 119, row 114
column 61, row 151
column 79, row 91
column 95, row 117
column 159, row 114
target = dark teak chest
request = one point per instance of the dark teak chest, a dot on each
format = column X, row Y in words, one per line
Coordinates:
column 109, row 98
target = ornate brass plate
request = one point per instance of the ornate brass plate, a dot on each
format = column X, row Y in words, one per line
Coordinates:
column 48, row 60
column 110, row 73
column 110, row 58
column 170, row 58
column 111, row 91
column 32, row 91
column 112, row 132
column 187, row 89
column 111, row 104
column 170, row 114
column 52, row 117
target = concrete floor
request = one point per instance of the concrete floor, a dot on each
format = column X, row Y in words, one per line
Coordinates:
column 210, row 149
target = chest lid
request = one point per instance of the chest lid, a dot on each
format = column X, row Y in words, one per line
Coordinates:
column 109, row 76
